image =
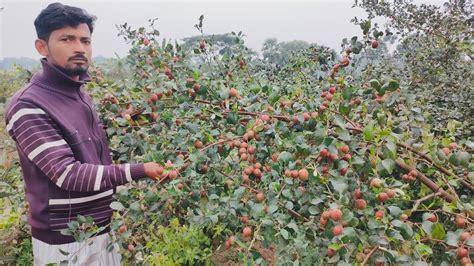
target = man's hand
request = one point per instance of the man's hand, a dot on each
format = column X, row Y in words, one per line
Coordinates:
column 154, row 171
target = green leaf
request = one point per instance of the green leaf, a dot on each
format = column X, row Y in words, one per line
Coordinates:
column 394, row 211
column 423, row 250
column 65, row 253
column 451, row 239
column 375, row 84
column 406, row 231
column 313, row 210
column 272, row 208
column 197, row 157
column 135, row 206
column 118, row 206
column 214, row 218
column 460, row 158
column 393, row 85
column 369, row 131
column 284, row 233
column 285, row 157
column 438, row 231
column 385, row 167
column 339, row 185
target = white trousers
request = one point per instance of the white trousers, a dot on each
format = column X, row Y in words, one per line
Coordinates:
column 93, row 251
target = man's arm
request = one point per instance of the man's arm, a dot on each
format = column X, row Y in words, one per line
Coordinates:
column 38, row 137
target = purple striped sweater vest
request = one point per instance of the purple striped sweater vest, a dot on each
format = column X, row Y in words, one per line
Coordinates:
column 64, row 155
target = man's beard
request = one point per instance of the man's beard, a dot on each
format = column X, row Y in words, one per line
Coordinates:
column 74, row 71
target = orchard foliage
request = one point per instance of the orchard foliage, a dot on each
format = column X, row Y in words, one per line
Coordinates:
column 301, row 163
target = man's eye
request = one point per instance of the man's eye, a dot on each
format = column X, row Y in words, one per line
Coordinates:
column 65, row 39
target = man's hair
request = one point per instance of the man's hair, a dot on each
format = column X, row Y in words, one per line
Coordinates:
column 57, row 16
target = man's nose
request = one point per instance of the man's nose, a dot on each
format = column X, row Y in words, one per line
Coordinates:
column 79, row 47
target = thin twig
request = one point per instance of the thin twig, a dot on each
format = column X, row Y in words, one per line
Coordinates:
column 419, row 201
column 364, row 262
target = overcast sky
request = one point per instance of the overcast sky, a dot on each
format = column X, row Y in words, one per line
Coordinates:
column 317, row 21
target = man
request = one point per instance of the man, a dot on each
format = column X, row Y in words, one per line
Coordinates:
column 62, row 147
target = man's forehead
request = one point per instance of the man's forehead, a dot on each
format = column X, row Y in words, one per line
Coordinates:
column 82, row 30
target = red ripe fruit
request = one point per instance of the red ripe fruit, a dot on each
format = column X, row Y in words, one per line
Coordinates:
column 331, row 252
column 344, row 149
column 382, row 197
column 360, row 204
column 325, row 169
column 465, row 236
column 326, row 215
column 390, row 192
column 227, row 244
column 375, row 44
column 452, row 146
column 168, row 72
column 265, row 118
column 332, row 90
column 343, row 171
column 196, row 87
column 333, row 157
column 257, row 173
column 198, row 144
column 247, row 232
column 347, row 157
column 329, row 97
column 202, row 45
column 154, row 98
column 122, row 229
column 244, row 219
column 378, row 263
column 413, row 173
column 345, row 61
column 288, row 173
column 336, row 214
column 460, row 222
column 379, row 214
column 231, row 240
column 146, row 42
column 323, row 221
column 358, row 194
column 173, row 174
column 323, row 153
column 322, row 108
column 337, row 230
column 233, row 92
column 446, row 151
column 323, row 94
column 432, row 218
column 303, row 174
column 242, row 63
column 462, row 252
column 248, row 170
column 260, row 197
column 131, row 247
column 294, row 173
column 251, row 150
column 375, row 182
column 306, row 116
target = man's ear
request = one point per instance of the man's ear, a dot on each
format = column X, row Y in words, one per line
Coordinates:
column 42, row 47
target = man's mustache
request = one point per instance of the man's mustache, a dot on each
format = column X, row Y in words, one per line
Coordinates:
column 78, row 58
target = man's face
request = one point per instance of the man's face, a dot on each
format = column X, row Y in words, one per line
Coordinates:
column 69, row 49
